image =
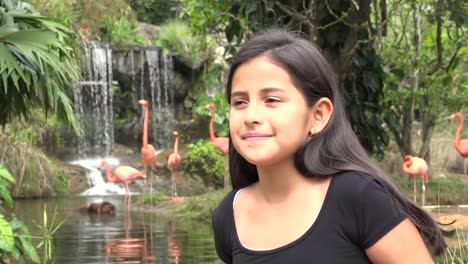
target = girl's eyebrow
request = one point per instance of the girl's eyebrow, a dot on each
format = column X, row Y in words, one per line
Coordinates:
column 265, row 90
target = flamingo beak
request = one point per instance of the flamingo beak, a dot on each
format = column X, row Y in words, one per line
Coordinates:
column 451, row 117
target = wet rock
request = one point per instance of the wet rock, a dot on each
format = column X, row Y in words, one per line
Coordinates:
column 76, row 176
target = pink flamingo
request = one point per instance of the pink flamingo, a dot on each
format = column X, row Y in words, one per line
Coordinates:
column 416, row 167
column 221, row 143
column 460, row 145
column 173, row 163
column 125, row 174
column 148, row 152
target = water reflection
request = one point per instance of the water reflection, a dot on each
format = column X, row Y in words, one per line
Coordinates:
column 126, row 237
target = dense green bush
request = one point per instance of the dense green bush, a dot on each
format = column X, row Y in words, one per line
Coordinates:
column 193, row 50
column 15, row 240
column 203, row 160
column 154, row 11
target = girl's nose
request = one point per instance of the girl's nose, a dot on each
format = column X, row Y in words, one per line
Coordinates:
column 252, row 115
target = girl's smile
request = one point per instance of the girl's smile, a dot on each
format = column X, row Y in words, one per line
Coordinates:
column 255, row 136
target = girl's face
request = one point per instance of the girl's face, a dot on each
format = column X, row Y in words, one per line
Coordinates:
column 269, row 117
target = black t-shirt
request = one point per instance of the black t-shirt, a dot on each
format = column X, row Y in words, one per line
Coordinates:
column 356, row 213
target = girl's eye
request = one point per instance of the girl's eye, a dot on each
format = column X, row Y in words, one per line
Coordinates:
column 272, row 100
column 238, row 102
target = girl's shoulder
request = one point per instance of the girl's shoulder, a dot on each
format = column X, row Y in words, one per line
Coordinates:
column 354, row 183
column 358, row 189
column 356, row 178
column 224, row 209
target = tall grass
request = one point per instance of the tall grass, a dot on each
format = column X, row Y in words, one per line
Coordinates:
column 456, row 255
column 36, row 175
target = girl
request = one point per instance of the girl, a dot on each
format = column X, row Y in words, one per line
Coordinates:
column 305, row 190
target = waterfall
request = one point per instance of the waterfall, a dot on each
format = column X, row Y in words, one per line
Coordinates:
column 145, row 72
column 93, row 101
column 161, row 97
column 96, row 183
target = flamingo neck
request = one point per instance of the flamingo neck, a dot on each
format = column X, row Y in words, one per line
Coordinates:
column 459, row 128
column 176, row 144
column 108, row 173
column 407, row 165
column 212, row 135
column 145, row 127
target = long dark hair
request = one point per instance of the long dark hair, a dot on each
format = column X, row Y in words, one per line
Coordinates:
column 336, row 148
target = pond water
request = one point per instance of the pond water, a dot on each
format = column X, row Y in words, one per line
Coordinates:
column 136, row 237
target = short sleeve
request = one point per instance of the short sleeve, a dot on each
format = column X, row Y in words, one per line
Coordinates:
column 378, row 214
column 222, row 229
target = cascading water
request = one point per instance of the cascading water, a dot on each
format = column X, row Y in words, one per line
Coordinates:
column 148, row 74
column 93, row 102
column 96, row 183
column 161, row 96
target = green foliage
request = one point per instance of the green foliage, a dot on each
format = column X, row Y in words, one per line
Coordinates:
column 15, row 240
column 156, row 199
column 155, row 12
column 7, row 241
column 39, row 131
column 5, row 180
column 64, row 11
column 221, row 122
column 235, row 19
column 48, row 230
column 203, row 160
column 37, row 63
column 199, row 208
column 36, row 175
column 104, row 20
column 193, row 50
column 421, row 83
column 449, row 190
column 458, row 254
column 123, row 32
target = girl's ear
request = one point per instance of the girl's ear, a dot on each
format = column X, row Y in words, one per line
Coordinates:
column 320, row 115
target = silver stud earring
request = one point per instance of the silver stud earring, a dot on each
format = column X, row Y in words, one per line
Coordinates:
column 312, row 132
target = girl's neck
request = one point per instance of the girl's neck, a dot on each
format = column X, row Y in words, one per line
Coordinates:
column 278, row 183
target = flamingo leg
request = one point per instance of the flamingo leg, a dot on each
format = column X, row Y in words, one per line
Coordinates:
column 172, row 183
column 151, row 187
column 414, row 189
column 127, row 196
column 464, row 167
column 175, row 187
column 145, row 183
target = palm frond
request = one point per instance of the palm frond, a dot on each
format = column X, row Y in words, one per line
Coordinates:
column 38, row 61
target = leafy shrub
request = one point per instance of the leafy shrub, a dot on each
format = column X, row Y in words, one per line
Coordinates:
column 15, row 240
column 124, row 32
column 193, row 50
column 205, row 161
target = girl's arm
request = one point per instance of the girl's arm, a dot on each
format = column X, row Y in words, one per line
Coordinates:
column 401, row 245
